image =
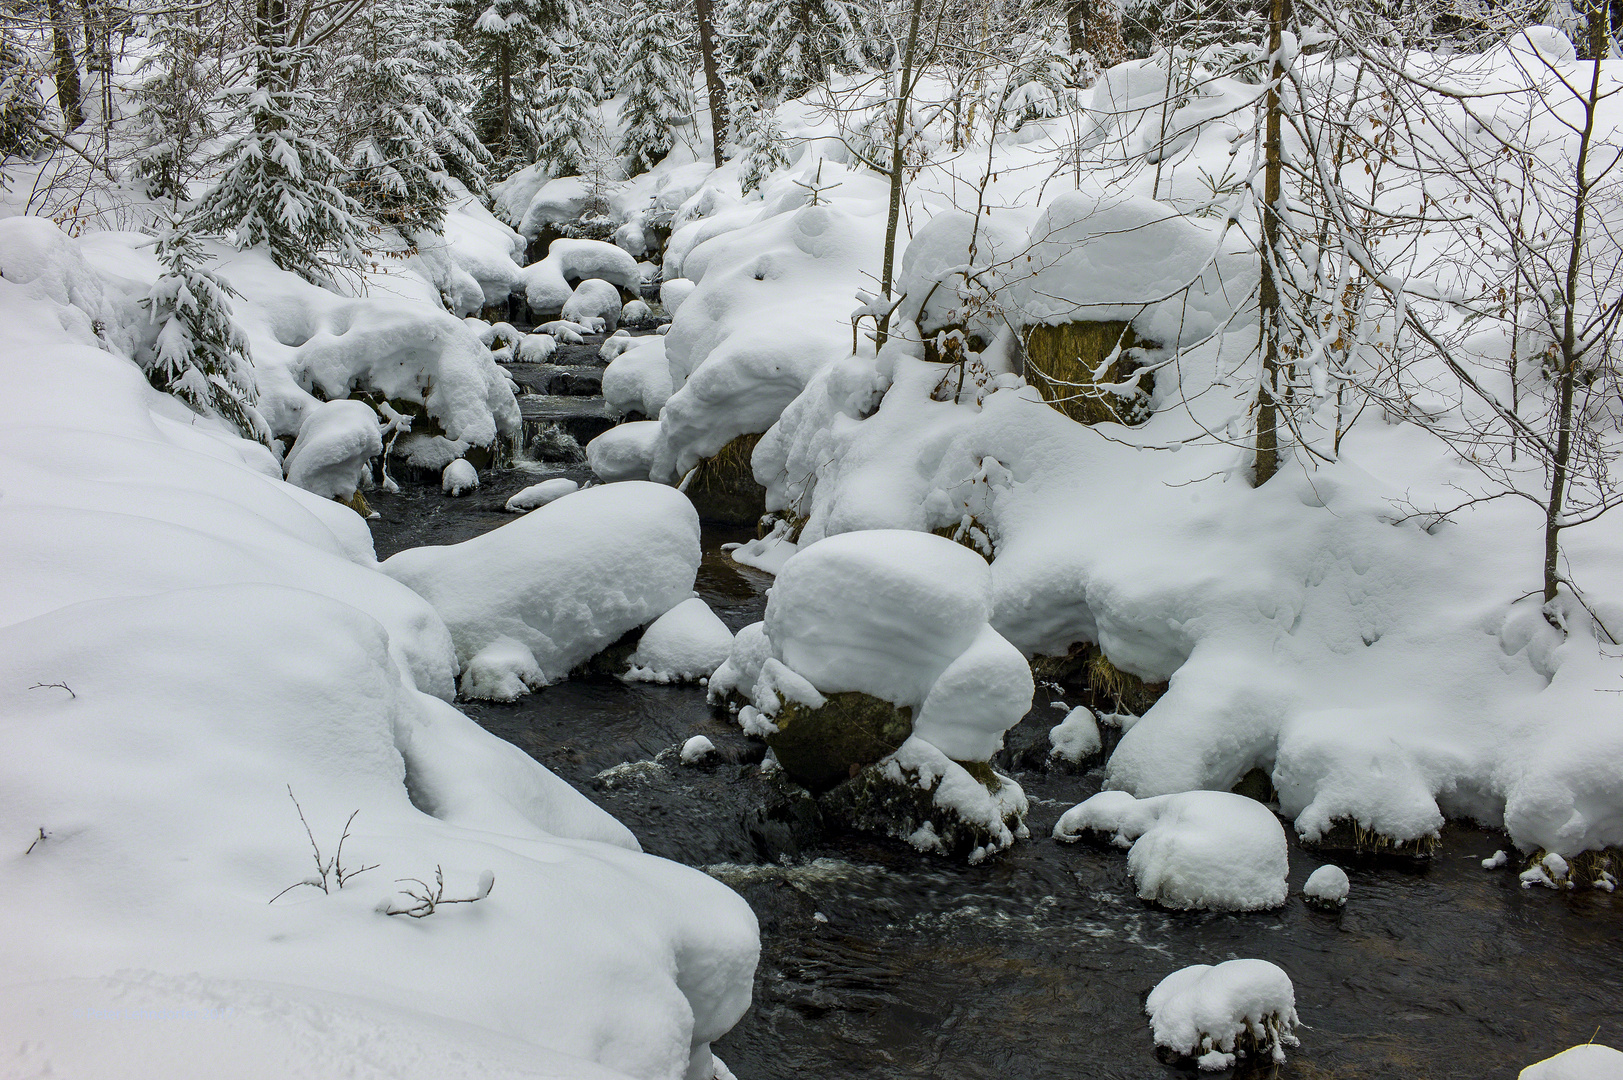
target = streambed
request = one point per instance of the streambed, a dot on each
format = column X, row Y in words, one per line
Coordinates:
column 881, row 962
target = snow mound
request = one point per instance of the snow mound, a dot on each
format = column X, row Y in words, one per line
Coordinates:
column 1075, row 738
column 615, row 344
column 687, row 642
column 459, row 478
column 673, row 293
column 535, row 348
column 335, row 444
column 638, row 380
column 947, row 285
column 1216, row 1014
column 1196, row 849
column 594, row 298
column 637, row 313
column 564, row 581
column 696, row 750
column 549, row 284
column 1327, row 886
column 624, row 452
column 540, row 494
column 902, row 616
column 1591, row 1061
column 768, row 553
column 472, row 262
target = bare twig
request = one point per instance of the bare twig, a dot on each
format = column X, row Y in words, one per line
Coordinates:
column 55, row 686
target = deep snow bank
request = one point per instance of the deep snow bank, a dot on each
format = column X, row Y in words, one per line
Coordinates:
column 217, row 636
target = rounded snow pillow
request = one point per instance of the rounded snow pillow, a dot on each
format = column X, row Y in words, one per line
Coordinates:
column 458, row 477
column 594, row 298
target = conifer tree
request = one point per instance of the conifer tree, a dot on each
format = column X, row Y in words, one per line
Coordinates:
column 567, row 132
column 21, row 110
column 656, row 84
column 174, row 116
column 283, row 188
column 509, row 36
column 794, row 44
column 755, row 134
column 199, row 355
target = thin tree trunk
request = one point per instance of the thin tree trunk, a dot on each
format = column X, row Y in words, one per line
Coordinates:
column 712, row 78
column 504, row 135
column 1267, row 459
column 1076, row 21
column 897, row 156
column 68, row 93
column 1571, row 357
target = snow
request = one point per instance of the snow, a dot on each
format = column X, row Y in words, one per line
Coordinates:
column 547, row 284
column 1327, row 885
column 227, row 636
column 459, row 478
column 686, row 643
column 638, row 380
column 1075, row 738
column 673, row 292
column 564, row 581
column 472, row 261
column 594, row 298
column 624, row 452
column 768, row 553
column 697, row 749
column 919, row 763
column 637, row 313
column 1203, row 1010
column 540, row 494
column 1195, row 849
column 335, row 444
column 1591, row 1061
column 902, row 616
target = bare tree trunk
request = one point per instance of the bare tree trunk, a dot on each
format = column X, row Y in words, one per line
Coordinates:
column 1267, row 459
column 904, row 90
column 1571, row 352
column 68, row 94
column 504, row 135
column 712, row 78
column 1076, row 21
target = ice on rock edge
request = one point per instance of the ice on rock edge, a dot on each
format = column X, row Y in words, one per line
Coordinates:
column 686, row 643
column 1215, row 1013
column 1196, row 849
column 564, row 581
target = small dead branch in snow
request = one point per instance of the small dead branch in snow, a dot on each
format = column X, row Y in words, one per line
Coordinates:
column 426, row 899
column 327, row 870
column 42, row 836
column 55, row 686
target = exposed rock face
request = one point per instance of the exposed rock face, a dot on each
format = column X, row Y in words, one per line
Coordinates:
column 821, row 747
column 1061, row 361
column 723, row 487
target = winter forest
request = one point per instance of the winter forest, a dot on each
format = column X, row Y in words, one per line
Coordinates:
column 759, row 539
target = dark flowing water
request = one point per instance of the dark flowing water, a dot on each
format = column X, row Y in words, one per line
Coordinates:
column 880, row 962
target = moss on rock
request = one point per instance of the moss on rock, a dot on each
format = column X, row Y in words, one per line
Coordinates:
column 875, row 801
column 822, row 747
column 1061, row 361
column 723, row 488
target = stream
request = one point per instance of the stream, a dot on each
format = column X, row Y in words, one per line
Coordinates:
column 879, row 962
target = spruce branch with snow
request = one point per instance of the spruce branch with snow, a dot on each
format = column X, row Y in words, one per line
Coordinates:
column 656, row 86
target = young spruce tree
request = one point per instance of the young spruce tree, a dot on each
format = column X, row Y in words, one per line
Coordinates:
column 199, row 355
column 656, row 85
column 174, row 115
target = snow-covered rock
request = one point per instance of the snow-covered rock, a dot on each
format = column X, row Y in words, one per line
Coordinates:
column 673, row 292
column 540, row 494
column 1327, row 886
column 637, row 314
column 535, row 348
column 697, row 749
column 547, row 284
column 1591, row 1061
column 568, row 333
column 686, row 643
column 564, row 581
column 638, row 380
column 1219, row 1013
column 594, row 298
column 1075, row 738
column 459, row 478
column 1196, row 849
column 623, row 452
column 767, row 553
column 615, row 344
column 902, row 616
column 334, row 446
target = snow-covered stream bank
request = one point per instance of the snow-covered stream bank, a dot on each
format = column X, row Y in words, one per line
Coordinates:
column 878, row 962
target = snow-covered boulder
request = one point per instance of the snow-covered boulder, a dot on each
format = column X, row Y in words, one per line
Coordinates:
column 673, row 292
column 615, row 344
column 686, row 643
column 459, row 478
column 1217, row 1014
column 623, row 452
column 945, row 284
column 334, row 445
column 564, row 332
column 1196, row 849
column 540, row 494
column 563, row 581
column 637, row 314
column 697, row 749
column 549, row 284
column 535, row 348
column 553, row 202
column 594, row 298
column 1075, row 738
column 638, row 380
column 1591, row 1061
column 1327, row 887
